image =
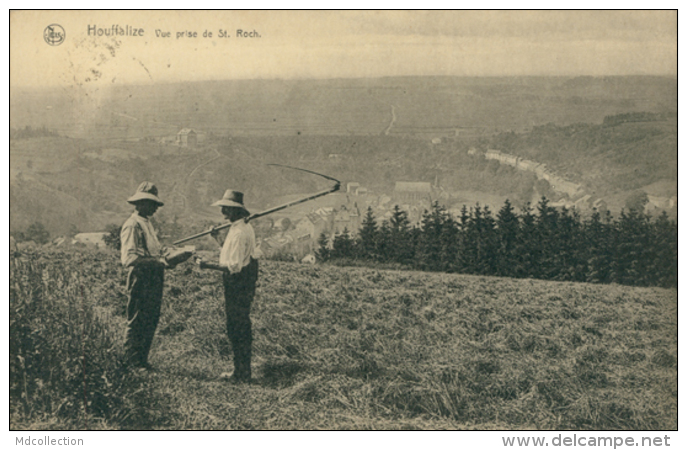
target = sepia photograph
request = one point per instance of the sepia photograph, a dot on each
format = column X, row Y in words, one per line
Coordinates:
column 344, row 220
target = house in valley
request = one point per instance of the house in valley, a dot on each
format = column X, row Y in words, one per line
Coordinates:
column 187, row 137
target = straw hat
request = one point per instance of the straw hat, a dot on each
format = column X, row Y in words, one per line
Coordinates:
column 232, row 199
column 146, row 191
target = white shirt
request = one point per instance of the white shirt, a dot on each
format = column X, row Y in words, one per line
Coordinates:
column 138, row 240
column 239, row 247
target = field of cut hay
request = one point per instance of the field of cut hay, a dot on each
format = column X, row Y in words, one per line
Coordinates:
column 342, row 348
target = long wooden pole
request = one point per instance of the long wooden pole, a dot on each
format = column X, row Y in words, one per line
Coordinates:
column 261, row 214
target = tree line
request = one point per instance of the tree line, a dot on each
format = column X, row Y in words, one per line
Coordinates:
column 611, row 121
column 536, row 242
column 29, row 132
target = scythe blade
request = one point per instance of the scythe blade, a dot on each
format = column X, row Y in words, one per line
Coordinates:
column 306, row 170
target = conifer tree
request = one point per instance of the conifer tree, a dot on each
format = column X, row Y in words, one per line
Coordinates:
column 343, row 245
column 429, row 246
column 489, row 243
column 547, row 240
column 462, row 258
column 508, row 228
column 665, row 241
column 449, row 245
column 469, row 252
column 631, row 249
column 577, row 247
column 597, row 249
column 567, row 248
column 384, row 246
column 592, row 231
column 482, row 241
column 368, row 237
column 323, row 252
column 401, row 243
column 527, row 246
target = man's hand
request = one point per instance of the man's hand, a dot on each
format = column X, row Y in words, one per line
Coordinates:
column 214, row 232
column 207, row 265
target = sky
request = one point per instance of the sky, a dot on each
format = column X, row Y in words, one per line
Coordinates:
column 336, row 44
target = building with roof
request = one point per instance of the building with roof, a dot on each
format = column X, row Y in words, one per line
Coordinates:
column 187, row 137
column 660, row 202
column 492, row 154
column 412, row 191
column 94, row 239
column 352, row 188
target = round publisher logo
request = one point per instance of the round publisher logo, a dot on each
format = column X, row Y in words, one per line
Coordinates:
column 54, row 34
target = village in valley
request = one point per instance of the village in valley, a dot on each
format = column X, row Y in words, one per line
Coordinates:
column 296, row 233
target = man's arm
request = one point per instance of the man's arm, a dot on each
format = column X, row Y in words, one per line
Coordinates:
column 133, row 249
column 207, row 265
column 215, row 234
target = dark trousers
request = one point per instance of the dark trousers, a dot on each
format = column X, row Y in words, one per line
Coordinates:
column 143, row 311
column 239, row 291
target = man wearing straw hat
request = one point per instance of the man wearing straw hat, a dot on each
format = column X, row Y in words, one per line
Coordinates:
column 239, row 267
column 142, row 255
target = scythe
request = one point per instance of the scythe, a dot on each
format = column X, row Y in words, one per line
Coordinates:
column 335, row 188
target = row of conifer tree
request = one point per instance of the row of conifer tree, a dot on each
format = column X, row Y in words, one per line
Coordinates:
column 541, row 242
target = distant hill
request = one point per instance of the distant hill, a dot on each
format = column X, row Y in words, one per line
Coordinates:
column 371, row 131
column 86, row 184
column 423, row 106
column 607, row 159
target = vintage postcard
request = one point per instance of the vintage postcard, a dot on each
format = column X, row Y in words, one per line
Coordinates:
column 344, row 220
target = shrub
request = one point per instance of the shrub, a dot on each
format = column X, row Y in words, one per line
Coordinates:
column 114, row 239
column 36, row 232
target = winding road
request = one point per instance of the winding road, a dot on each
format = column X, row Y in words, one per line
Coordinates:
column 393, row 119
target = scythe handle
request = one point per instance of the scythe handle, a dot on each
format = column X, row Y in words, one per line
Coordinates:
column 295, row 202
column 336, row 187
column 204, row 233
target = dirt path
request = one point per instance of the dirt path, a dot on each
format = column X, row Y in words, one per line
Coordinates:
column 202, row 164
column 393, row 119
column 188, row 176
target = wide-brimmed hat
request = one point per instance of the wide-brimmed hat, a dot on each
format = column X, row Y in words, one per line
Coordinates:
column 145, row 191
column 231, row 199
